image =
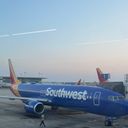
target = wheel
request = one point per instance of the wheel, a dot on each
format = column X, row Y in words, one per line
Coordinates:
column 108, row 123
column 54, row 107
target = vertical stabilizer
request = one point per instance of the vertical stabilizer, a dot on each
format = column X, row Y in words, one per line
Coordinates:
column 12, row 73
column 103, row 78
column 14, row 81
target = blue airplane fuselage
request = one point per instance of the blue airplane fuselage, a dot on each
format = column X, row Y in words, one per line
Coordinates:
column 91, row 99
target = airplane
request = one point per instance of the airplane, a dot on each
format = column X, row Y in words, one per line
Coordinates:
column 92, row 99
column 103, row 77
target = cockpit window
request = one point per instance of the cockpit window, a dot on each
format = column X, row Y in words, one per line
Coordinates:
column 115, row 98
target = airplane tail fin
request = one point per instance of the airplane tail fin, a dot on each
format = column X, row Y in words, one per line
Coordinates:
column 103, row 78
column 12, row 73
column 13, row 78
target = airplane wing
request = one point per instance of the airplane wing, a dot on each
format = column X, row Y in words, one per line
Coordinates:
column 26, row 98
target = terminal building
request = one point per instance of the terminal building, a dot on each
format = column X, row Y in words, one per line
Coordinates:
column 120, row 87
column 115, row 86
column 6, row 79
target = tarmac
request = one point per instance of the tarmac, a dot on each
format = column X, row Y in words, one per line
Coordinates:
column 12, row 115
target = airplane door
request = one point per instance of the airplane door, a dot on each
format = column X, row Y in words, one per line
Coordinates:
column 96, row 98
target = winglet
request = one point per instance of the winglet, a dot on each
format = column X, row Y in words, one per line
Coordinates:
column 79, row 82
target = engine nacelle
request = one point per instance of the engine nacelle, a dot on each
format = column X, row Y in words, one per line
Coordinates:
column 34, row 107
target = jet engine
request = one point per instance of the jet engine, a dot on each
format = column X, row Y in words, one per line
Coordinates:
column 34, row 107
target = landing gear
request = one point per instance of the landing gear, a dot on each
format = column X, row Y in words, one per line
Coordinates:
column 108, row 121
column 54, row 107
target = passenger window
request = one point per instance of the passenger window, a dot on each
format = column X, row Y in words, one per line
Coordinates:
column 110, row 98
column 120, row 97
column 115, row 98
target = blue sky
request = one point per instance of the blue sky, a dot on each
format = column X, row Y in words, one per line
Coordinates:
column 89, row 34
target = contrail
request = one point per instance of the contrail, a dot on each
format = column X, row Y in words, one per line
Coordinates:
column 101, row 42
column 3, row 36
column 33, row 32
column 27, row 33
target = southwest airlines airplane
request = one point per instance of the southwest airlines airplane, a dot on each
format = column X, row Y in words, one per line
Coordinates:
column 90, row 99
